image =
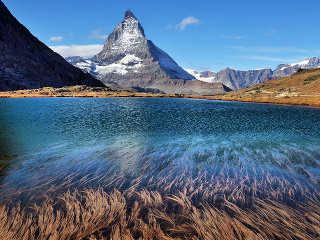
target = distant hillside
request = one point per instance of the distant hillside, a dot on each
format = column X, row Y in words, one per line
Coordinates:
column 301, row 88
column 237, row 79
column 27, row 63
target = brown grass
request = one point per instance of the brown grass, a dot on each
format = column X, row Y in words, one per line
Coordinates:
column 173, row 202
column 301, row 88
column 78, row 91
column 172, row 206
column 94, row 214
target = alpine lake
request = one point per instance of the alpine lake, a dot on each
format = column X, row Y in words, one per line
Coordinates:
column 218, row 170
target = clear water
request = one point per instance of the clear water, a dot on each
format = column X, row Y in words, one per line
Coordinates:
column 112, row 142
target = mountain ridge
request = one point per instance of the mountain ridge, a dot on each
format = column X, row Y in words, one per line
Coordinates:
column 26, row 62
column 238, row 79
column 300, row 88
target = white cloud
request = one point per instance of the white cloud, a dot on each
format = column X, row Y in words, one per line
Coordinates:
column 97, row 34
column 56, row 39
column 78, row 50
column 234, row 37
column 187, row 21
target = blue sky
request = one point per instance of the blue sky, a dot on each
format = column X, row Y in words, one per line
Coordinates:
column 200, row 35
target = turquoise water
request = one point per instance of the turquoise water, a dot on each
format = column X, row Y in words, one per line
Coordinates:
column 65, row 143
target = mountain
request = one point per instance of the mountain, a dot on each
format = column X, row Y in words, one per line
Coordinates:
column 284, row 70
column 232, row 78
column 27, row 63
column 129, row 59
column 300, row 88
column 236, row 79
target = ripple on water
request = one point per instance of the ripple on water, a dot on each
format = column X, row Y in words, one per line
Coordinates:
column 63, row 143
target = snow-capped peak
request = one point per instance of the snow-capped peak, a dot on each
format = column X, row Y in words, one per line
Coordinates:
column 304, row 62
column 126, row 38
column 127, row 54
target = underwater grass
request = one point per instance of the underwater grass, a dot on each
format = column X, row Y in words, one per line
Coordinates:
column 227, row 204
column 129, row 192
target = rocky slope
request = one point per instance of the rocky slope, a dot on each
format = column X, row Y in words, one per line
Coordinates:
column 301, row 88
column 284, row 70
column 27, row 63
column 236, row 79
column 129, row 59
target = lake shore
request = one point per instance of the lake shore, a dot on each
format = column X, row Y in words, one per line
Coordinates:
column 158, row 168
column 244, row 95
column 75, row 91
column 301, row 88
column 303, row 101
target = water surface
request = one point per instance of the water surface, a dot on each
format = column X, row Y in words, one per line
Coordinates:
column 111, row 142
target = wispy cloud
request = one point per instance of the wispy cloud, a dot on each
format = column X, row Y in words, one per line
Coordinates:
column 270, row 59
column 97, row 34
column 187, row 21
column 273, row 32
column 56, row 39
column 273, row 59
column 274, row 49
column 234, row 37
column 77, row 50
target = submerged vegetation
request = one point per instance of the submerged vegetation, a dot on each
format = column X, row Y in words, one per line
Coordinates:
column 223, row 210
column 137, row 168
column 171, row 202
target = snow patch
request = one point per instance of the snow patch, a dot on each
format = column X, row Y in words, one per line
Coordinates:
column 122, row 67
column 130, row 59
column 84, row 66
column 199, row 76
column 303, row 63
column 112, row 68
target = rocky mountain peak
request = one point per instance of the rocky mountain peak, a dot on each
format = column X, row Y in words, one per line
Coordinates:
column 129, row 14
column 130, row 60
column 130, row 25
column 127, row 38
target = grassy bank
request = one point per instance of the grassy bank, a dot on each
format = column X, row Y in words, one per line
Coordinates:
column 301, row 88
column 75, row 91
